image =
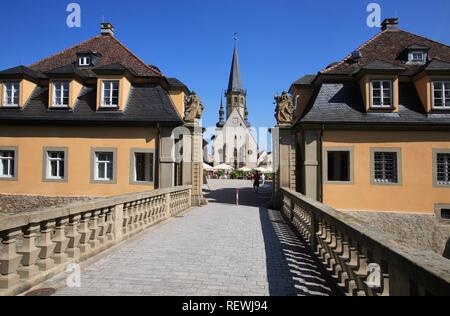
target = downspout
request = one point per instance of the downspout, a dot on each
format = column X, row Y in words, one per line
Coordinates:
column 158, row 154
column 321, row 163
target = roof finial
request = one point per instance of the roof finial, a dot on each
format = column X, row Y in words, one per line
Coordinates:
column 235, row 37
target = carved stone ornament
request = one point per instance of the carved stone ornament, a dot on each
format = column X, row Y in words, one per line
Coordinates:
column 194, row 108
column 284, row 112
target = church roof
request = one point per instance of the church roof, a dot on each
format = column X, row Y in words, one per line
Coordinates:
column 235, row 82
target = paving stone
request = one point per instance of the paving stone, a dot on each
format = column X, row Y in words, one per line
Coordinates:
column 219, row 249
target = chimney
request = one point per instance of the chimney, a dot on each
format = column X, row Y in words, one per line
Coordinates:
column 107, row 29
column 389, row 24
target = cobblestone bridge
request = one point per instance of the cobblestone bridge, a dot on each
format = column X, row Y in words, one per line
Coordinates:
column 219, row 249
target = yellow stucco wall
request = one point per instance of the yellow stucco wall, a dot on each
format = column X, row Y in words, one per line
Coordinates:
column 178, row 99
column 302, row 97
column 79, row 141
column 26, row 90
column 124, row 90
column 74, row 92
column 416, row 193
column 366, row 90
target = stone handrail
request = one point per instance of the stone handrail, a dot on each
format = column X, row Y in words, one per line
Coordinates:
column 37, row 245
column 364, row 262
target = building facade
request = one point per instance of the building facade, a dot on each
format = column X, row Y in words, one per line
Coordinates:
column 233, row 142
column 94, row 120
column 372, row 132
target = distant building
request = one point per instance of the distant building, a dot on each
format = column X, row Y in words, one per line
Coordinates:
column 233, row 142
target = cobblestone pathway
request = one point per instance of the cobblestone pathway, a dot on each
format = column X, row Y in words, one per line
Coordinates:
column 220, row 249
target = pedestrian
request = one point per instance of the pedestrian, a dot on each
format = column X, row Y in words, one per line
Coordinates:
column 256, row 179
column 263, row 180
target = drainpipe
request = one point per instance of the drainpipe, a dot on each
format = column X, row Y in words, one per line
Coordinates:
column 158, row 154
column 321, row 163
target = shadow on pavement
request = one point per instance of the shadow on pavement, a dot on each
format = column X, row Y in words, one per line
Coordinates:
column 292, row 267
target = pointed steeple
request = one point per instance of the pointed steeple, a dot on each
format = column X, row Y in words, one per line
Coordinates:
column 221, row 122
column 235, row 82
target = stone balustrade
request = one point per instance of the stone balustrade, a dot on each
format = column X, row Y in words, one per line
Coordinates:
column 364, row 262
column 37, row 245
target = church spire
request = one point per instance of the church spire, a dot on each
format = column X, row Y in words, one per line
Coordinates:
column 235, row 82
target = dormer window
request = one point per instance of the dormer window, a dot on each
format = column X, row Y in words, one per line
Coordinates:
column 84, row 61
column 381, row 94
column 417, row 57
column 11, row 93
column 441, row 95
column 60, row 94
column 110, row 94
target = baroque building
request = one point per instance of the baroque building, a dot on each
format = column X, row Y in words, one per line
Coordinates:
column 233, row 142
column 371, row 132
column 95, row 120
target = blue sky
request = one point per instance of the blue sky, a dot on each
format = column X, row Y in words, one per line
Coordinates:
column 192, row 40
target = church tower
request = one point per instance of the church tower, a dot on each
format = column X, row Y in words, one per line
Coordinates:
column 235, row 94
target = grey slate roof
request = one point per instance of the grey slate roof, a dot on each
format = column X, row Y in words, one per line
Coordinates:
column 343, row 103
column 235, row 81
column 305, row 80
column 20, row 71
column 147, row 104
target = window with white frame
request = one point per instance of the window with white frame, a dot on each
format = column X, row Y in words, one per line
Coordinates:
column 56, row 161
column 385, row 167
column 110, row 93
column 381, row 93
column 443, row 168
column 417, row 57
column 11, row 92
column 7, row 163
column 104, row 166
column 441, row 94
column 143, row 167
column 84, row 61
column 61, row 94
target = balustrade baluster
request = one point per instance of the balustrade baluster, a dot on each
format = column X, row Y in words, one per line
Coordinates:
column 85, row 233
column 74, row 237
column 102, row 226
column 94, row 228
column 46, row 245
column 9, row 259
column 29, row 251
column 60, row 240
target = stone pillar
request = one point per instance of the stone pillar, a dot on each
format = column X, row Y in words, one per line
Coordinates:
column 196, row 162
column 167, row 162
column 284, row 161
column 311, row 164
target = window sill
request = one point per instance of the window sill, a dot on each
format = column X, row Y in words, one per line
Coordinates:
column 10, row 106
column 386, row 183
column 339, row 183
column 65, row 180
column 8, row 179
column 97, row 181
column 142, row 183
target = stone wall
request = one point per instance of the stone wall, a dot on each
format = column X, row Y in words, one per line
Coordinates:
column 15, row 204
column 413, row 230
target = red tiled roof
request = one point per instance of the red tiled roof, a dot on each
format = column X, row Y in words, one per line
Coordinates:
column 388, row 46
column 113, row 52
